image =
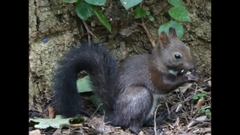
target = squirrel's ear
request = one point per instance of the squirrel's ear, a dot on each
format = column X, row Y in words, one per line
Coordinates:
column 172, row 32
column 163, row 40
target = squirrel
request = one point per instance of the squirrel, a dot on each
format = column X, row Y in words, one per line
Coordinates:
column 129, row 93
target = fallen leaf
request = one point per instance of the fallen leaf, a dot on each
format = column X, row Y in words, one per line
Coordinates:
column 57, row 132
column 99, row 125
column 179, row 107
column 177, row 122
column 51, row 112
column 201, row 119
column 197, row 120
column 39, row 108
column 200, row 102
column 184, row 87
column 210, row 83
column 35, row 132
column 58, row 122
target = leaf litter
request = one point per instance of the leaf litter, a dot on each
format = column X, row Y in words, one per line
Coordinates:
column 190, row 119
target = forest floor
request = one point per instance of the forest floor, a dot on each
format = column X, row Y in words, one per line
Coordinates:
column 191, row 105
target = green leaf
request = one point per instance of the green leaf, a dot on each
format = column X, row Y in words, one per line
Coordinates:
column 96, row 2
column 178, row 27
column 201, row 94
column 70, row 1
column 175, row 2
column 195, row 97
column 179, row 13
column 84, row 85
column 151, row 18
column 203, row 110
column 58, row 122
column 207, row 111
column 139, row 12
column 76, row 120
column 147, row 13
column 84, row 10
column 103, row 19
column 130, row 3
column 96, row 103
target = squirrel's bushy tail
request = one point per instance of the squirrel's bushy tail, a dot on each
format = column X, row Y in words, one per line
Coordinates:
column 101, row 66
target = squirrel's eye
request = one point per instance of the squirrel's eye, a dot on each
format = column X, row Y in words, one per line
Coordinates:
column 177, row 55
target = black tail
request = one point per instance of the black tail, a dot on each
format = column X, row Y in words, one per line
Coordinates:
column 101, row 67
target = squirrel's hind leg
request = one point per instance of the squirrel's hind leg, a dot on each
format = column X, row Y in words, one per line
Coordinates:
column 132, row 107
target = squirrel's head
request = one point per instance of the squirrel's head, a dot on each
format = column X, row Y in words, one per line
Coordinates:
column 173, row 53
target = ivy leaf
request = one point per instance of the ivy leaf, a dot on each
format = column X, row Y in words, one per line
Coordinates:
column 151, row 18
column 96, row 2
column 202, row 94
column 147, row 13
column 178, row 27
column 70, row 1
column 207, row 111
column 175, row 2
column 130, row 3
column 203, row 110
column 103, row 19
column 83, row 85
column 139, row 12
column 58, row 122
column 84, row 10
column 179, row 13
column 195, row 97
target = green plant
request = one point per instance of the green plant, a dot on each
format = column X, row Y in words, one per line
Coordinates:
column 140, row 12
column 87, row 8
column 130, row 3
column 199, row 95
column 206, row 111
column 179, row 13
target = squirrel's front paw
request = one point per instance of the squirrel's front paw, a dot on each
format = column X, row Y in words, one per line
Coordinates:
column 191, row 76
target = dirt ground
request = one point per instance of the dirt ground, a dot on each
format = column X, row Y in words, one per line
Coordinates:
column 188, row 118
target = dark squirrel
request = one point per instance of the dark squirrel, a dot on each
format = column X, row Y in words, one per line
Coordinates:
column 128, row 94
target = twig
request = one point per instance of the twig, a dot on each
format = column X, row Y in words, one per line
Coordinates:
column 146, row 30
column 88, row 31
column 167, row 107
column 96, row 110
column 155, row 114
column 148, row 33
column 207, row 79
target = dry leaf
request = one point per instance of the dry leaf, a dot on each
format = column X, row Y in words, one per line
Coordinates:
column 210, row 83
column 184, row 87
column 177, row 122
column 201, row 119
column 39, row 108
column 51, row 112
column 179, row 107
column 57, row 132
column 99, row 125
column 200, row 102
column 35, row 132
column 197, row 120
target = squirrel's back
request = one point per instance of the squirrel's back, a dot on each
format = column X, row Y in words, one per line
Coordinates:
column 133, row 71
